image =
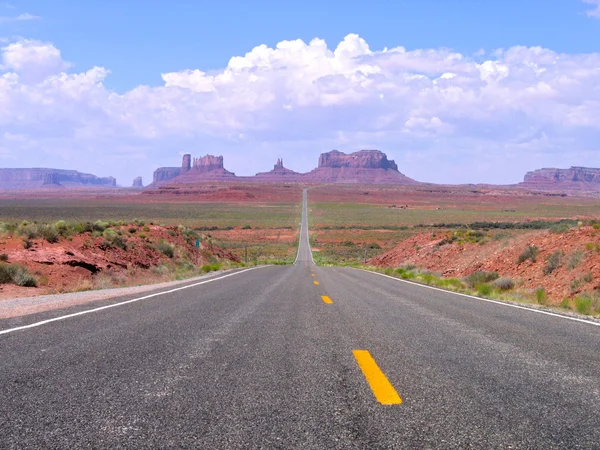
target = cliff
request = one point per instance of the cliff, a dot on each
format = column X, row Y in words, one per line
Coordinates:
column 362, row 167
column 193, row 170
column 163, row 174
column 41, row 178
column 363, row 159
column 137, row 183
column 579, row 178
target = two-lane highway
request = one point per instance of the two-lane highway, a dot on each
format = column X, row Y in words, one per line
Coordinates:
column 302, row 357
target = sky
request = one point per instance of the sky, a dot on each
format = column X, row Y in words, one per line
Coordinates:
column 455, row 91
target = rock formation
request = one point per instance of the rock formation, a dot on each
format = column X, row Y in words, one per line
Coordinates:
column 42, row 178
column 193, row 170
column 279, row 173
column 137, row 183
column 573, row 178
column 163, row 174
column 363, row 159
column 51, row 179
column 364, row 166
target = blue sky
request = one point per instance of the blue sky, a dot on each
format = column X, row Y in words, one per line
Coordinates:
column 442, row 117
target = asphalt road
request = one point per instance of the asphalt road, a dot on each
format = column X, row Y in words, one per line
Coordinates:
column 267, row 358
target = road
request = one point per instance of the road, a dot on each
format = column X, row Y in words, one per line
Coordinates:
column 299, row 357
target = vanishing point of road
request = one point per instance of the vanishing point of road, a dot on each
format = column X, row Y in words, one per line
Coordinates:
column 299, row 357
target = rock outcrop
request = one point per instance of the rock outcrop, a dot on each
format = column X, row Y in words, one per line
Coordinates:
column 137, row 183
column 363, row 159
column 164, row 174
column 579, row 178
column 362, row 167
column 193, row 170
column 38, row 178
column 279, row 173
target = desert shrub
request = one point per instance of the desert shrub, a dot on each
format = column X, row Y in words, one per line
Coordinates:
column 246, row 227
column 146, row 229
column 388, row 271
column 583, row 304
column 166, row 249
column 28, row 230
column 374, row 246
column 22, row 277
column 132, row 230
column 408, row 267
column 592, row 247
column 480, row 277
column 566, row 303
column 541, row 296
column 27, row 244
column 3, row 257
column 504, row 284
column 114, row 239
column 560, row 228
column 553, row 262
column 596, row 226
column 49, row 233
column 530, row 252
column 576, row 284
column 18, row 275
column 210, row 267
column 575, row 259
column 588, row 277
column 83, row 227
column 172, row 233
column 451, row 283
column 99, row 225
column 484, row 289
column 61, row 227
column 139, row 222
column 347, row 244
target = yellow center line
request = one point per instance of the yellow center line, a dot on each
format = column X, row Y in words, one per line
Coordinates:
column 313, row 274
column 382, row 389
column 316, row 282
column 326, row 299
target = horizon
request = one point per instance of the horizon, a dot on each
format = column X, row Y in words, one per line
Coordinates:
column 454, row 94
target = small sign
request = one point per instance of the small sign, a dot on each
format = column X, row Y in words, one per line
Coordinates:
column 197, row 243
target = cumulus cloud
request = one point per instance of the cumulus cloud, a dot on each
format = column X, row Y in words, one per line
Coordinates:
column 437, row 112
column 595, row 12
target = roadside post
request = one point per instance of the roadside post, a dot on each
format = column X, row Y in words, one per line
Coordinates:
column 198, row 246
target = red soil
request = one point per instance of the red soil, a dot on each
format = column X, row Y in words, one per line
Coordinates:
column 72, row 263
column 459, row 260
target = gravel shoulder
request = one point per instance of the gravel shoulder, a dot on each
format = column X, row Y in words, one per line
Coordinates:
column 18, row 307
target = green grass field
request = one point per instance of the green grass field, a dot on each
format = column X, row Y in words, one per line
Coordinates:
column 189, row 214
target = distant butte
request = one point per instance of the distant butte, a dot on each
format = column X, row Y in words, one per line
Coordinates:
column 50, row 178
column 362, row 167
column 574, row 178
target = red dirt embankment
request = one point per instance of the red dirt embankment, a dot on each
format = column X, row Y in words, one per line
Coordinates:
column 501, row 255
column 85, row 261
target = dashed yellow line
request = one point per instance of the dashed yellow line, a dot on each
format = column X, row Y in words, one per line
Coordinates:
column 316, row 282
column 382, row 388
column 326, row 299
column 312, row 274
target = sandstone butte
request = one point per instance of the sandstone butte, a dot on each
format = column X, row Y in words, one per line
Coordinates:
column 50, row 178
column 364, row 167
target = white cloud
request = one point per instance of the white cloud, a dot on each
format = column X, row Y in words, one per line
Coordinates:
column 595, row 12
column 20, row 18
column 423, row 106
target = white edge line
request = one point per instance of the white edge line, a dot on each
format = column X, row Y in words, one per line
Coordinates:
column 68, row 316
column 484, row 299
